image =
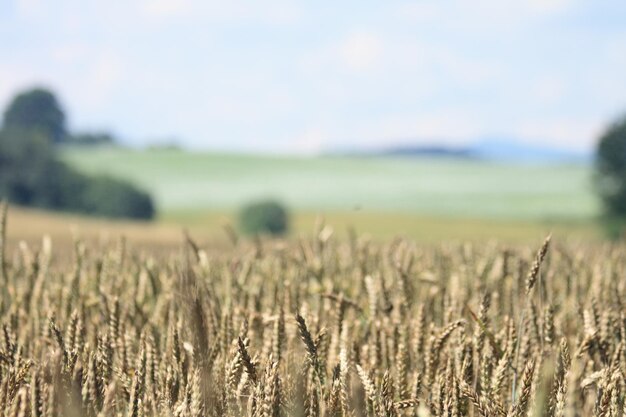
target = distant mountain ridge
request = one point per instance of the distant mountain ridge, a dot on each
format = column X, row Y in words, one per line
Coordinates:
column 488, row 149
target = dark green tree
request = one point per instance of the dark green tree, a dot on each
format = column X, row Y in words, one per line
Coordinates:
column 264, row 217
column 31, row 175
column 38, row 110
column 25, row 160
column 610, row 174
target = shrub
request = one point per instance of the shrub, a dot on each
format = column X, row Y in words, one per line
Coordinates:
column 264, row 217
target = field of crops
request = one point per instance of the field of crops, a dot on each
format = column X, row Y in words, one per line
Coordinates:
column 318, row 326
column 210, row 228
column 453, row 188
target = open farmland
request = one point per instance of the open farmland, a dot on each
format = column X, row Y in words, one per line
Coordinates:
column 318, row 326
column 210, row 228
column 188, row 183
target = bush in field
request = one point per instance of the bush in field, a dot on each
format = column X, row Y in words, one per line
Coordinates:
column 264, row 217
column 610, row 175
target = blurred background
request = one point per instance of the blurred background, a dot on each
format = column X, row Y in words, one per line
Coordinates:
column 432, row 119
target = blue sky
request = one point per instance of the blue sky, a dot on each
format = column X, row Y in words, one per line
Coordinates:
column 296, row 76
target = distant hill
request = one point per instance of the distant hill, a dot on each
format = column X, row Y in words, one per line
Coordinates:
column 487, row 149
column 513, row 150
column 431, row 151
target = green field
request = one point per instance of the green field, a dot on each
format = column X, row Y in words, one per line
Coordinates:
column 184, row 182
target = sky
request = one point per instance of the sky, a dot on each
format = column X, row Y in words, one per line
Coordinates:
column 307, row 76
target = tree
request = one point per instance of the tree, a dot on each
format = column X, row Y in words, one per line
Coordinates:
column 610, row 172
column 264, row 217
column 25, row 160
column 31, row 175
column 38, row 110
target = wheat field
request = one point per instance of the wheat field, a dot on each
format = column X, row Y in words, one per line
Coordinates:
column 320, row 326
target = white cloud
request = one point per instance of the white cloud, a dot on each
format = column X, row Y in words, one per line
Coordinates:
column 549, row 90
column 271, row 12
column 70, row 53
column 467, row 71
column 549, row 7
column 311, row 141
column 105, row 74
column 166, row 8
column 483, row 15
column 360, row 51
column 356, row 53
column 571, row 133
column 451, row 126
column 13, row 78
column 452, row 70
column 381, row 57
column 29, row 8
column 140, row 14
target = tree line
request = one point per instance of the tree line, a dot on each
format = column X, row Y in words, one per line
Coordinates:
column 32, row 174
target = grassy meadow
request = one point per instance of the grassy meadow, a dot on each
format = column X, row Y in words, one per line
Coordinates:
column 188, row 182
column 425, row 199
column 210, row 228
